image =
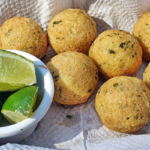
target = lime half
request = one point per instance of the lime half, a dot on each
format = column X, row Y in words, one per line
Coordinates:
column 20, row 105
column 15, row 71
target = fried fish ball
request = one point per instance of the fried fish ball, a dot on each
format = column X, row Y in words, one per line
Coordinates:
column 75, row 77
column 71, row 30
column 24, row 34
column 116, row 53
column 123, row 104
column 146, row 76
column 141, row 31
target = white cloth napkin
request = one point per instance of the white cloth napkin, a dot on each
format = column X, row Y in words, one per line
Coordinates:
column 85, row 130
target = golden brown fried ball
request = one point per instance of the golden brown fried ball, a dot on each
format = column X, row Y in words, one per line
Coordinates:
column 71, row 30
column 141, row 31
column 116, row 53
column 75, row 77
column 146, row 76
column 24, row 34
column 123, row 104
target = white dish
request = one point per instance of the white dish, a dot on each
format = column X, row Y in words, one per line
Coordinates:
column 17, row 132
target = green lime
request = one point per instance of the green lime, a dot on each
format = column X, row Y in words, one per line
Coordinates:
column 16, row 71
column 20, row 105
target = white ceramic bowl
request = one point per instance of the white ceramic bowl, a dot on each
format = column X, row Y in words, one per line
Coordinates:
column 21, row 130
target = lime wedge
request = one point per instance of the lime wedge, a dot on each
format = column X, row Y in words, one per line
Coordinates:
column 15, row 71
column 20, row 105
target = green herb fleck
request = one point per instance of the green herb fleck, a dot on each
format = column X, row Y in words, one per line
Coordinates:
column 128, row 118
column 132, row 56
column 111, row 51
column 57, row 38
column 136, row 117
column 8, row 33
column 60, row 89
column 85, row 65
column 115, row 85
column 105, row 91
column 123, row 106
column 89, row 90
column 139, row 96
column 69, row 116
column 109, row 35
column 146, row 24
column 122, row 44
column 121, row 88
column 81, row 11
column 57, row 22
column 21, row 129
column 66, row 105
column 56, row 77
column 132, row 45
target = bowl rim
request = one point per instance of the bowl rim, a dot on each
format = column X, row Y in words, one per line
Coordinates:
column 42, row 108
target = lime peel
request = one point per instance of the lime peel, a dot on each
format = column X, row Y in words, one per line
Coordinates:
column 20, row 105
